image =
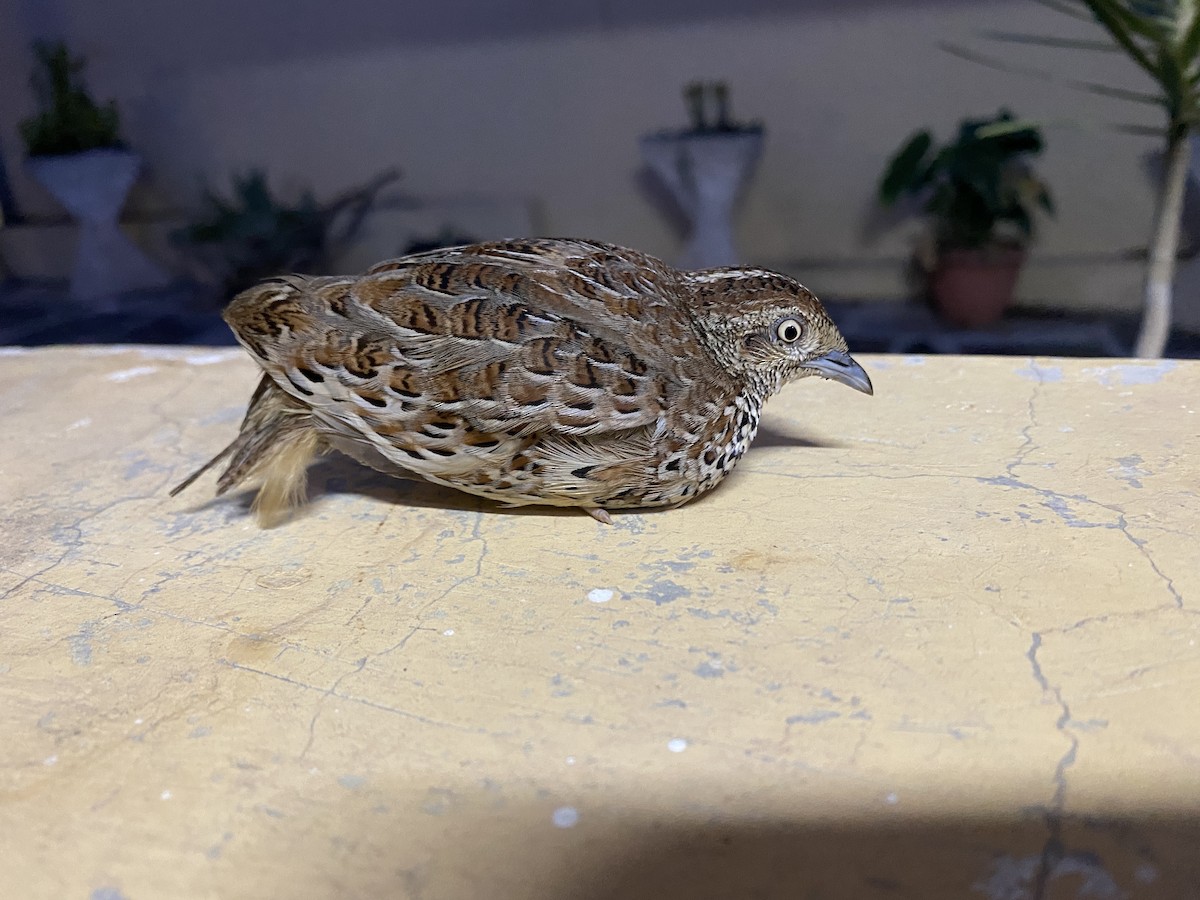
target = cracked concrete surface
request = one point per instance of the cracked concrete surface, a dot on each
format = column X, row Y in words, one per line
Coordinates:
column 941, row 642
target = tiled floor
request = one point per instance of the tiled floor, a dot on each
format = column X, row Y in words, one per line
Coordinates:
column 34, row 314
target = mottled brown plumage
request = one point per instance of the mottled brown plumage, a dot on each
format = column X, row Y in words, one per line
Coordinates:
column 559, row 372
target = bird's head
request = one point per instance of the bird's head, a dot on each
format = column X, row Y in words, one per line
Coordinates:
column 769, row 330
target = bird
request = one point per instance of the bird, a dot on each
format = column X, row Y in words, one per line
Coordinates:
column 556, row 372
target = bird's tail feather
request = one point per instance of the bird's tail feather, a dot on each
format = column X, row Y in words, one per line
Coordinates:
column 276, row 443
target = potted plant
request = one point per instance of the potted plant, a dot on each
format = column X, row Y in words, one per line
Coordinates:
column 253, row 234
column 981, row 197
column 1162, row 38
column 76, row 152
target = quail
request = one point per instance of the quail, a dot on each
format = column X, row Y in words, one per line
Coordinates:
column 558, row 372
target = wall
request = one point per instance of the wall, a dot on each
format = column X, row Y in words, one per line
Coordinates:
column 546, row 101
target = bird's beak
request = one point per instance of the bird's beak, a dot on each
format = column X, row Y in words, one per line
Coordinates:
column 839, row 366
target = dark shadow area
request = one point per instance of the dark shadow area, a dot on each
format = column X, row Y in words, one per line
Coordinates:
column 1118, row 859
column 771, row 435
column 632, row 852
column 336, row 473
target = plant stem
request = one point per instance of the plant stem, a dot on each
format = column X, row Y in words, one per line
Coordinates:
column 1164, row 246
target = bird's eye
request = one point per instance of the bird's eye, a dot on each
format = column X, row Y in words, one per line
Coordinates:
column 789, row 331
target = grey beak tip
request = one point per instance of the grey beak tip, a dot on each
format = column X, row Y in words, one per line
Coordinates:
column 838, row 365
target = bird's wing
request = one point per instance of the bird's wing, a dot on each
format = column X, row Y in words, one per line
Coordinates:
column 546, row 340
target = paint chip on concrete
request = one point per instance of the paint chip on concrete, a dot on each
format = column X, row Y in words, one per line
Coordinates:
column 565, row 817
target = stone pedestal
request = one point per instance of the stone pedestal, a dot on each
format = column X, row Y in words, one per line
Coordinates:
column 705, row 173
column 93, row 187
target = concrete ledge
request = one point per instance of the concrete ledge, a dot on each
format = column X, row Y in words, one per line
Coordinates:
column 937, row 643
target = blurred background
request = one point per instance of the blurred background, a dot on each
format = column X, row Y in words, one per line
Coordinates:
column 337, row 134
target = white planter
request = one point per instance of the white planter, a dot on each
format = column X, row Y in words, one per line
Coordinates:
column 706, row 174
column 93, row 187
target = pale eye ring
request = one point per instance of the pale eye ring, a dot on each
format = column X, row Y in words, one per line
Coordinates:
column 789, row 331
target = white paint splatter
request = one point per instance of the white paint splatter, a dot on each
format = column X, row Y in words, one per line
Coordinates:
column 50, row 760
column 208, row 359
column 135, row 372
column 677, row 745
column 449, row 632
column 565, row 817
column 1131, row 373
column 570, row 760
column 80, row 423
column 176, row 354
column 891, row 799
column 1033, row 371
column 600, row 595
column 166, row 795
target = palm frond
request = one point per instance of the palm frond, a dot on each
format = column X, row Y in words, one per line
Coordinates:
column 1067, row 9
column 1125, row 26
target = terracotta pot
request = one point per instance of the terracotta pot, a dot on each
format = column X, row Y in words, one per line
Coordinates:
column 973, row 288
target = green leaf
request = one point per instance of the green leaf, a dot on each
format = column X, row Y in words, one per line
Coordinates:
column 69, row 120
column 1175, row 86
column 1022, row 220
column 1189, row 38
column 1150, row 20
column 906, row 170
column 1014, row 135
column 1046, row 201
column 1067, row 9
column 1125, row 26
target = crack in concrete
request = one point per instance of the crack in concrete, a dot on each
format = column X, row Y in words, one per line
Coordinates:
column 1027, row 444
column 1053, row 850
column 1123, row 526
column 320, row 704
column 476, row 535
column 70, row 544
column 349, row 698
column 1056, row 502
column 360, row 664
